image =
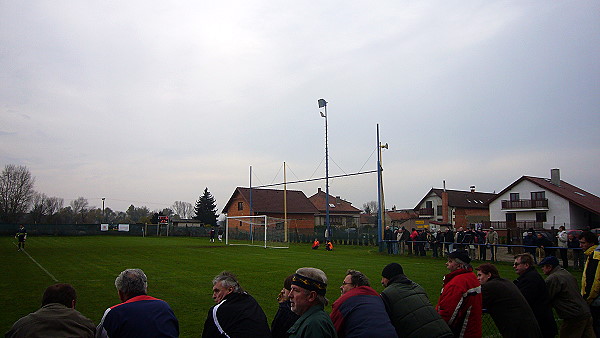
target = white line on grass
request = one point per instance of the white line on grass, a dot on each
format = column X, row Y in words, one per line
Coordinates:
column 38, row 264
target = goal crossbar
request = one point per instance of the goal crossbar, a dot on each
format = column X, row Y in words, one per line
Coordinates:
column 258, row 222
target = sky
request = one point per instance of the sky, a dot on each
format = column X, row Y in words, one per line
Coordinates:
column 151, row 102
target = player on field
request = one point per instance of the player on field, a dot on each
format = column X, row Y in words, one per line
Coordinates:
column 21, row 236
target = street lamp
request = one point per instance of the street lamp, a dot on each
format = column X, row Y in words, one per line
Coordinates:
column 323, row 104
column 103, row 218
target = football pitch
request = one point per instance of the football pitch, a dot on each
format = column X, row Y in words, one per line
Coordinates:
column 180, row 271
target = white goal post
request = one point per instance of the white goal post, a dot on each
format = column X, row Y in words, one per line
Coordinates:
column 261, row 230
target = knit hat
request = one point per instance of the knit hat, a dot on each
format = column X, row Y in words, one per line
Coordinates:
column 392, row 270
column 460, row 254
column 549, row 260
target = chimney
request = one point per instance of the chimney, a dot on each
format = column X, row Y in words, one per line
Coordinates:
column 472, row 188
column 555, row 177
column 337, row 199
column 319, row 190
column 445, row 211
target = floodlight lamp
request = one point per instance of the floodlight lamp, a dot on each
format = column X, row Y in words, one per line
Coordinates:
column 322, row 103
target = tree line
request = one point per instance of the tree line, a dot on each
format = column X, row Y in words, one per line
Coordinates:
column 20, row 203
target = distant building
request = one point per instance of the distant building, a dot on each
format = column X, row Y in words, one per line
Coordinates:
column 534, row 202
column 341, row 213
column 456, row 207
column 270, row 202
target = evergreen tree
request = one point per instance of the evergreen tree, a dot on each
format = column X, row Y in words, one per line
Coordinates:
column 206, row 209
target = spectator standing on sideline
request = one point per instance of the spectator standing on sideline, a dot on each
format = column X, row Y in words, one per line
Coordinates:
column 21, row 236
column 56, row 318
column 533, row 288
column 408, row 306
column 562, row 239
column 590, row 280
column 505, row 303
column 460, row 301
column 139, row 315
column 402, row 236
column 388, row 236
column 284, row 318
column 437, row 246
column 543, row 246
column 236, row 314
column 412, row 249
column 491, row 239
column 307, row 297
column 573, row 244
column 449, row 240
column 529, row 242
column 566, row 299
column 469, row 241
column 481, row 244
column 360, row 312
column 459, row 239
column 212, row 234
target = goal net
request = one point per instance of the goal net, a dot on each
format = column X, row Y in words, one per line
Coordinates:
column 264, row 231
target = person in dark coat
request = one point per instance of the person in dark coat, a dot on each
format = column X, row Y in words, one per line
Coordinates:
column 284, row 318
column 388, row 235
column 573, row 245
column 532, row 286
column 529, row 242
column 449, row 240
column 505, row 303
column 408, row 306
column 236, row 314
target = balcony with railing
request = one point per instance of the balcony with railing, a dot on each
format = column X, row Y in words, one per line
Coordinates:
column 426, row 212
column 525, row 204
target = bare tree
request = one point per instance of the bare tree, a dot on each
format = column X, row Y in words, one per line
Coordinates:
column 370, row 207
column 183, row 209
column 80, row 207
column 54, row 204
column 39, row 207
column 16, row 192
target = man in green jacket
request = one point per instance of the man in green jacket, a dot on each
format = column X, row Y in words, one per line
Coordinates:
column 307, row 299
column 567, row 300
column 408, row 306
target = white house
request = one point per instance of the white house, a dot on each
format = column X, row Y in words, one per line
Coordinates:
column 534, row 202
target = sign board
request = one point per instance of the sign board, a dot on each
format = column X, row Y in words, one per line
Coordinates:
column 419, row 222
column 103, row 227
column 123, row 227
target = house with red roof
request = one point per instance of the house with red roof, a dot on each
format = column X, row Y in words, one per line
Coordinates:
column 454, row 207
column 544, row 203
column 341, row 213
column 270, row 202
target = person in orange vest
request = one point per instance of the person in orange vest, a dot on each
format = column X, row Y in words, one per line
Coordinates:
column 329, row 246
column 315, row 245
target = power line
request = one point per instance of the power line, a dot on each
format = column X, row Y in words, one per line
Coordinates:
column 316, row 179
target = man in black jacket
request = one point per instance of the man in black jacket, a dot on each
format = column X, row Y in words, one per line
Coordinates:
column 533, row 288
column 237, row 314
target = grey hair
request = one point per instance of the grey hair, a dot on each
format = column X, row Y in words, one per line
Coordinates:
column 318, row 275
column 228, row 280
column 358, row 278
column 132, row 282
column 462, row 264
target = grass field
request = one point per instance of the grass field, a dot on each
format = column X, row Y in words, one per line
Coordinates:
column 180, row 271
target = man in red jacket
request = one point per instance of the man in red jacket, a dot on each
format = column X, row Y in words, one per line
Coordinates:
column 460, row 301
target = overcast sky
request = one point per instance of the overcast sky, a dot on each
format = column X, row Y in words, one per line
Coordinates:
column 149, row 102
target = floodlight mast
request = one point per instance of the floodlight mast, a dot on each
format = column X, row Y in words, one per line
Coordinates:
column 323, row 104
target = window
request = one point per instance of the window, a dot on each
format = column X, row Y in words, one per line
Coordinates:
column 538, row 195
column 514, row 196
column 439, row 210
column 240, row 205
column 428, row 204
column 540, row 217
column 511, row 217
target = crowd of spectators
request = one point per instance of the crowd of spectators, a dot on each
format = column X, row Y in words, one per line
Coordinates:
column 522, row 308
